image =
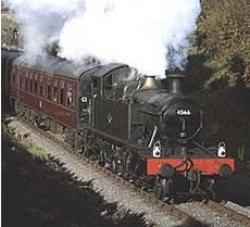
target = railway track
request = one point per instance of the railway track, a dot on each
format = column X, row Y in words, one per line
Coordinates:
column 194, row 213
column 229, row 212
column 220, row 212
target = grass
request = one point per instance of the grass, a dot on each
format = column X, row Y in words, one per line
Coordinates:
column 35, row 150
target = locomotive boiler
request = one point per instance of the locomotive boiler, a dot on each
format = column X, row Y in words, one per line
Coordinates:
column 127, row 122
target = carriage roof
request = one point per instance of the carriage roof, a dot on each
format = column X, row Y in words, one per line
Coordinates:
column 52, row 65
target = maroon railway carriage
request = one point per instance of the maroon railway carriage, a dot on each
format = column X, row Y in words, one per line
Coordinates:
column 128, row 123
column 53, row 95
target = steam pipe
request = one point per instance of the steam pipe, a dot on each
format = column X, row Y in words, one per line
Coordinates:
column 153, row 137
column 174, row 82
column 175, row 85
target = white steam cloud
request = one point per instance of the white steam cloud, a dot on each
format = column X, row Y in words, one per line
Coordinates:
column 136, row 32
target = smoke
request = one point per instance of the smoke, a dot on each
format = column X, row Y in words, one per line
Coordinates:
column 42, row 21
column 147, row 34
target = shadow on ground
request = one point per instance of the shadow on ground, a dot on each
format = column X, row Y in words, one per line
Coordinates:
column 235, row 189
column 36, row 193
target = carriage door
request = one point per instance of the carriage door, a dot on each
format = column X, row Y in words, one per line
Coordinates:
column 84, row 100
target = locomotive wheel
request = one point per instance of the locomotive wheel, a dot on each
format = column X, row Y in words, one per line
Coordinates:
column 159, row 189
column 163, row 187
column 211, row 192
column 127, row 165
column 101, row 158
column 114, row 165
column 169, row 190
column 91, row 150
column 194, row 178
column 85, row 151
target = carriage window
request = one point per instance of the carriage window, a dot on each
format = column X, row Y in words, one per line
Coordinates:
column 35, row 86
column 30, row 82
column 26, row 84
column 49, row 92
column 69, row 97
column 21, row 82
column 13, row 77
column 31, row 85
column 62, row 96
column 41, row 89
column 55, row 94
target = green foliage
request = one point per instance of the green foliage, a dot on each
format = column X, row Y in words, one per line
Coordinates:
column 223, row 36
column 223, row 28
column 8, row 25
column 219, row 67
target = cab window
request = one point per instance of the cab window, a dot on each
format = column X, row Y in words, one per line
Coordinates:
column 107, row 88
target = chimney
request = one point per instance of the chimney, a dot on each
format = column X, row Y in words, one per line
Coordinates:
column 149, row 83
column 175, row 82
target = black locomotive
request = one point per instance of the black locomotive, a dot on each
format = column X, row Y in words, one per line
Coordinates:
column 128, row 122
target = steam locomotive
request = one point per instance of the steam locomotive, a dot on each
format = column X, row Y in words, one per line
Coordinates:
column 128, row 123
